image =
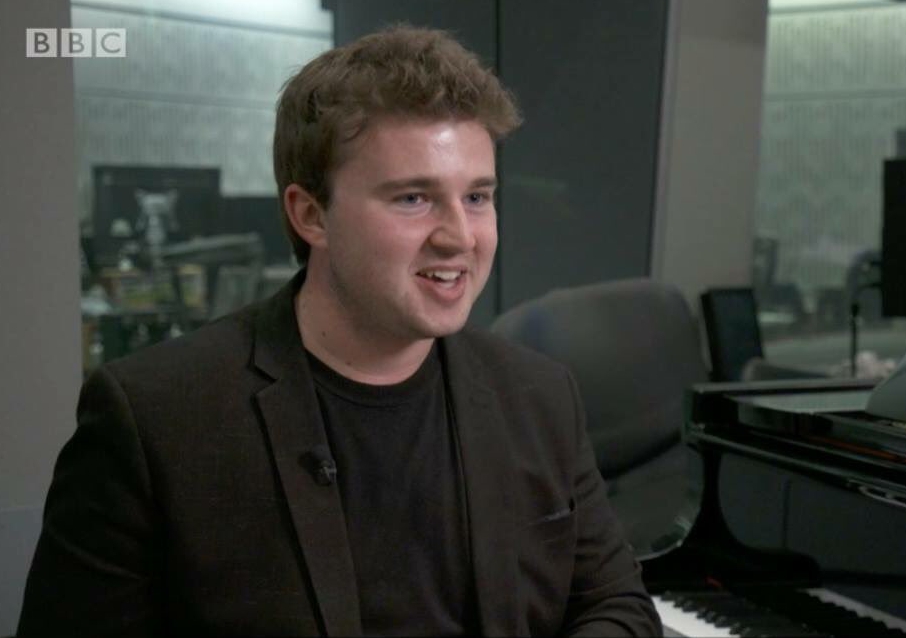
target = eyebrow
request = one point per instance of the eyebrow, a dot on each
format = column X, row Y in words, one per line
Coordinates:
column 430, row 182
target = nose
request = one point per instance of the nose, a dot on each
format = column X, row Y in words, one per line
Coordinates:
column 454, row 232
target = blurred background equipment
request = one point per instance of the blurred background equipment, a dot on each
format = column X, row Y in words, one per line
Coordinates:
column 164, row 252
column 893, row 238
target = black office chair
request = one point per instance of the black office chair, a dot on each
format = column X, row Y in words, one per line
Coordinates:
column 731, row 325
column 734, row 339
column 633, row 347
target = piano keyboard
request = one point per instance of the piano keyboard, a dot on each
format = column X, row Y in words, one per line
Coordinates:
column 811, row 612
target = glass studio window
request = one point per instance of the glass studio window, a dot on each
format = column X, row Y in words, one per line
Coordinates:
column 178, row 208
column 834, row 111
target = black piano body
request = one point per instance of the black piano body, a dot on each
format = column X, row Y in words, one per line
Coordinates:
column 801, row 493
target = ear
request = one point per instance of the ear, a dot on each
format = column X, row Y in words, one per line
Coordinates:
column 305, row 215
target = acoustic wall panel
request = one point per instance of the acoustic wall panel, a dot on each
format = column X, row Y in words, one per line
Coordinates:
column 579, row 178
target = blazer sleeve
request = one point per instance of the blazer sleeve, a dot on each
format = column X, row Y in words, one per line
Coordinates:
column 96, row 561
column 607, row 597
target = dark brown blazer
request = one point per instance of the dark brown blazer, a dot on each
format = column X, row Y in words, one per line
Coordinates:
column 183, row 504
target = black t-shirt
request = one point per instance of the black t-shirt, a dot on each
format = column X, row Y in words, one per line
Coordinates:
column 400, row 481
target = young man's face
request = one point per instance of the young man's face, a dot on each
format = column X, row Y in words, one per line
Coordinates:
column 412, row 228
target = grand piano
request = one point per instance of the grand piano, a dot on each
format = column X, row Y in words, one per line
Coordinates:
column 838, row 434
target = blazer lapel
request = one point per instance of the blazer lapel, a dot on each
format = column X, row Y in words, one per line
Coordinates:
column 487, row 469
column 292, row 418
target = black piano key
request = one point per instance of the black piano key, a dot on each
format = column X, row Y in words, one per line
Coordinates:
column 825, row 617
column 776, row 611
column 842, row 621
column 732, row 620
column 770, row 626
column 741, row 625
column 771, row 631
column 692, row 600
column 763, row 619
column 728, row 611
column 724, row 609
column 736, row 607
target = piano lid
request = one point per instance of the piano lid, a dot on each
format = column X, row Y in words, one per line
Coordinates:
column 820, row 422
column 888, row 399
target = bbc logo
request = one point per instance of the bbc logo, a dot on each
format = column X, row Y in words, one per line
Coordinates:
column 75, row 43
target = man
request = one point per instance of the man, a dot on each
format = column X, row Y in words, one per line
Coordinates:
column 345, row 458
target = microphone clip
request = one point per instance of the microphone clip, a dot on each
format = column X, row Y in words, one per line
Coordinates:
column 321, row 465
column 327, row 473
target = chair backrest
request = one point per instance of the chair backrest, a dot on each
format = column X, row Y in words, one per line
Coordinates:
column 633, row 347
column 734, row 336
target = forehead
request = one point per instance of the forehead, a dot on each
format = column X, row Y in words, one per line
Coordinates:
column 395, row 142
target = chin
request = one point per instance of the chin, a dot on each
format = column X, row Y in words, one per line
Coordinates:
column 443, row 327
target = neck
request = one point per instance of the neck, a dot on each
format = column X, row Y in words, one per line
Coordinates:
column 329, row 336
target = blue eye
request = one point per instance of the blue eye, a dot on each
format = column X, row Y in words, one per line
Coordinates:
column 477, row 199
column 411, row 199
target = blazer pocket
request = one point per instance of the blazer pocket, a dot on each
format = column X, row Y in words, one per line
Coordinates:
column 546, row 558
column 552, row 526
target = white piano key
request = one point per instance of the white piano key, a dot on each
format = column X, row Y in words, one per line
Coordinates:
column 686, row 623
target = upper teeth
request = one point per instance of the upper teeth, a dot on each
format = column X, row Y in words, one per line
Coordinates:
column 446, row 275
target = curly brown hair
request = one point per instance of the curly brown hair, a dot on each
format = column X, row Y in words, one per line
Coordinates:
column 400, row 71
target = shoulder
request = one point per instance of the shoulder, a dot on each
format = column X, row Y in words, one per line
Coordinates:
column 206, row 352
column 531, row 400
column 181, row 391
column 508, row 367
column 495, row 351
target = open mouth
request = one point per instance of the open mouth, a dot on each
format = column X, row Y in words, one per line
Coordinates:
column 443, row 278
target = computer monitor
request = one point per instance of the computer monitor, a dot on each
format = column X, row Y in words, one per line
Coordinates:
column 259, row 214
column 893, row 240
column 184, row 200
column 734, row 337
